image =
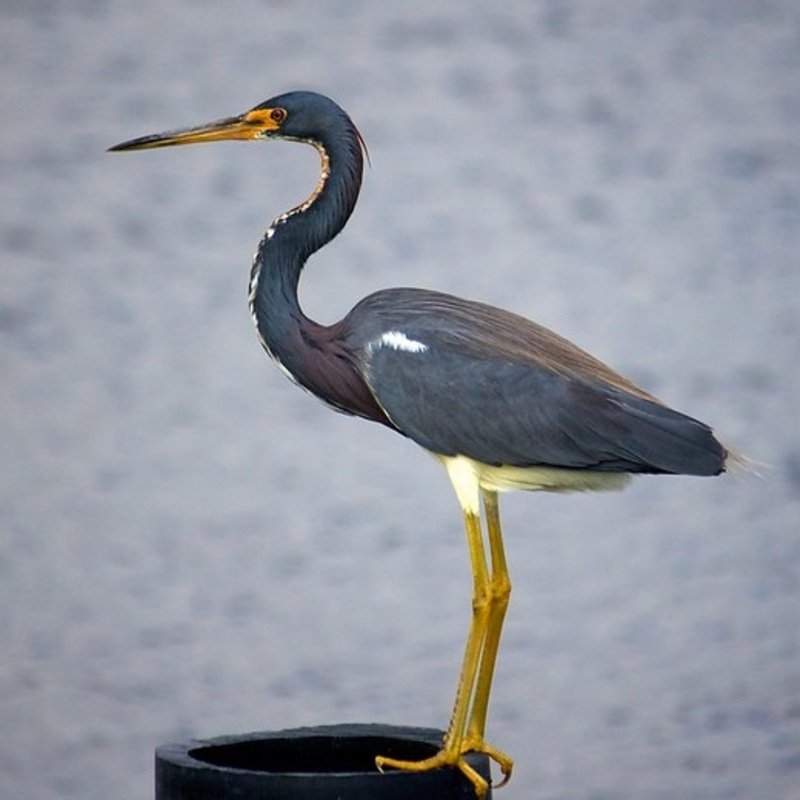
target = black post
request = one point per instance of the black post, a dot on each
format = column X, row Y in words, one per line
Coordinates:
column 330, row 762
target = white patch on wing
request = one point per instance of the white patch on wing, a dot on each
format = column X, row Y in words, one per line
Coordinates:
column 397, row 340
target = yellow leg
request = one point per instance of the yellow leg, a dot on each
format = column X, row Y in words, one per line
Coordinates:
column 491, row 592
column 500, row 592
column 452, row 751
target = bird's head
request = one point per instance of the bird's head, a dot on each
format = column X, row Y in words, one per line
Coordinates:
column 302, row 116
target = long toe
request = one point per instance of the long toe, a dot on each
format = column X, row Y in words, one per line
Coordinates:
column 444, row 758
column 504, row 762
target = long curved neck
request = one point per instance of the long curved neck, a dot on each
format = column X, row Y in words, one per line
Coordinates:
column 292, row 238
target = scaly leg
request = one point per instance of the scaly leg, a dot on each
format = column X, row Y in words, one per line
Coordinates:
column 500, row 592
column 453, row 749
column 466, row 730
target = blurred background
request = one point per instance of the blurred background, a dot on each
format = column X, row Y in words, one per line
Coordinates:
column 190, row 546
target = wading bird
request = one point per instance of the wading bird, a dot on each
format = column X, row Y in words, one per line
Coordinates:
column 500, row 401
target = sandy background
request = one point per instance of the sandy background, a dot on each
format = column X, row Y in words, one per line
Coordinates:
column 189, row 546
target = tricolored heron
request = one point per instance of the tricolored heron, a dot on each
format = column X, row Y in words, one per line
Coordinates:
column 502, row 402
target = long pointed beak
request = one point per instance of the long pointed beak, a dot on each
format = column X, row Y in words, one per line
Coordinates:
column 256, row 124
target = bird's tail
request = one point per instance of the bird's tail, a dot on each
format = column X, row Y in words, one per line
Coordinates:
column 737, row 462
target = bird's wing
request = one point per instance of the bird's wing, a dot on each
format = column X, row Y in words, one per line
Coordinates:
column 451, row 393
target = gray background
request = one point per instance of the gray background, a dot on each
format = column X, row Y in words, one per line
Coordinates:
column 189, row 546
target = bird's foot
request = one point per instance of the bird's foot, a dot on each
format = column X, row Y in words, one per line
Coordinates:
column 447, row 757
column 444, row 758
column 479, row 745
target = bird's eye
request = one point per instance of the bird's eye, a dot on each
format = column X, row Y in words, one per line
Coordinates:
column 278, row 115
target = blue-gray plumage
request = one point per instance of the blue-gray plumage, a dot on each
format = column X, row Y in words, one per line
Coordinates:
column 496, row 387
column 502, row 402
